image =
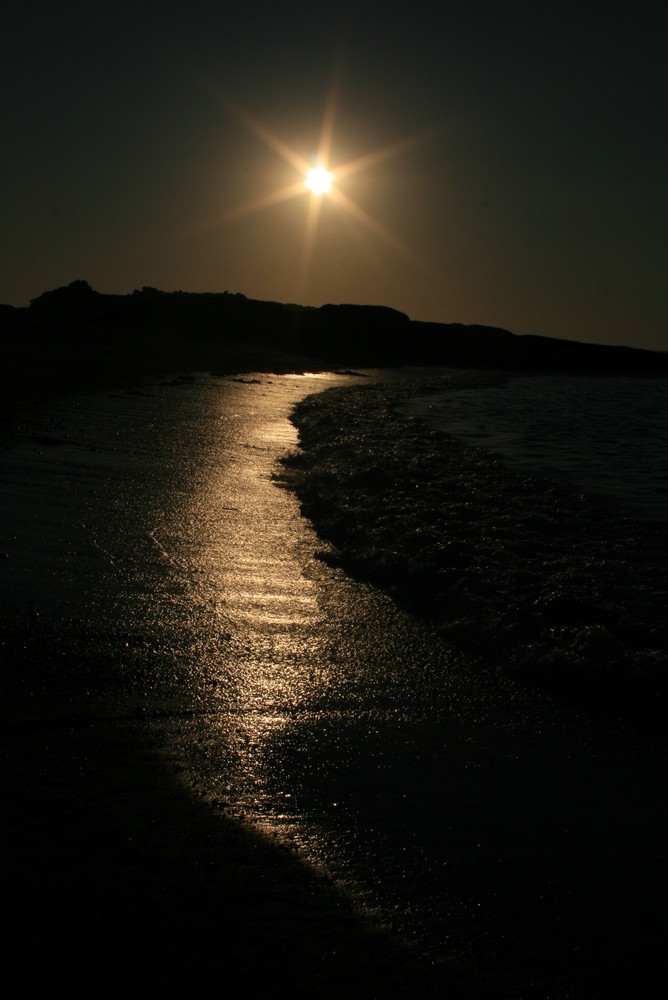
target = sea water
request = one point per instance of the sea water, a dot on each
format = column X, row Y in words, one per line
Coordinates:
column 598, row 434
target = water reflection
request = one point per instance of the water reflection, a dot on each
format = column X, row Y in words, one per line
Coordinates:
column 604, row 434
column 299, row 700
column 245, row 584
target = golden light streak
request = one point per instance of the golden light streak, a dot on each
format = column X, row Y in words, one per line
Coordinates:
column 370, row 159
column 265, row 201
column 269, row 139
column 367, row 220
column 312, row 217
column 327, row 130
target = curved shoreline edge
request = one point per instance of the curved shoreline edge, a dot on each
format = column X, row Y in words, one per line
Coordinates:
column 524, row 578
column 113, row 864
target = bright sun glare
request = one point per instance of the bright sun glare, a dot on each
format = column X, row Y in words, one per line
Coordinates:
column 319, row 180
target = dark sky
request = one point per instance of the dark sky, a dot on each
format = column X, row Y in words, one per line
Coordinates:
column 532, row 195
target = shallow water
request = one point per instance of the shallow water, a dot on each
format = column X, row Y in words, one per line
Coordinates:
column 309, row 704
column 604, row 435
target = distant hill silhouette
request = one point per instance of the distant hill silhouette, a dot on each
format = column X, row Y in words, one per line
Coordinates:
column 332, row 334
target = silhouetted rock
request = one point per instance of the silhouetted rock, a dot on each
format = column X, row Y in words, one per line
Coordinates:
column 72, row 302
column 357, row 335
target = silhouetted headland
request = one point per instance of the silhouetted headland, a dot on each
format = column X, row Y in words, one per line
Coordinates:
column 362, row 335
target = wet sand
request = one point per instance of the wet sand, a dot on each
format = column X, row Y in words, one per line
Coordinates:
column 539, row 854
column 39, row 366
column 524, row 575
column 115, row 876
column 117, row 873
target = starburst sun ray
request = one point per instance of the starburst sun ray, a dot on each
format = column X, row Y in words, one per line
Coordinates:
column 320, row 182
column 265, row 201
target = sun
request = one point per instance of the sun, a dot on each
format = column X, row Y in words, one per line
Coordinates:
column 318, row 180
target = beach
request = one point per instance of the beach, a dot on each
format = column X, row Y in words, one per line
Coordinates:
column 521, row 570
column 116, row 869
column 245, row 740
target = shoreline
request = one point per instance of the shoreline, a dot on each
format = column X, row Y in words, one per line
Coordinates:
column 525, row 578
column 133, row 862
column 115, row 868
column 52, row 364
column 115, row 871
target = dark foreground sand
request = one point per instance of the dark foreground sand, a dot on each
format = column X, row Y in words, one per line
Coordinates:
column 115, row 877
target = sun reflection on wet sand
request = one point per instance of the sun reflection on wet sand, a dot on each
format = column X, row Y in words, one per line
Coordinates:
column 295, row 698
column 248, row 573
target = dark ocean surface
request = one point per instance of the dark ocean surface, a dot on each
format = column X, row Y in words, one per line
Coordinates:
column 508, row 553
column 605, row 435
